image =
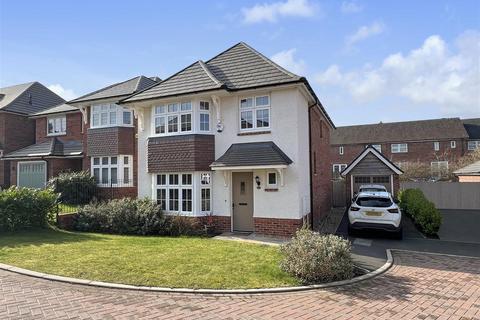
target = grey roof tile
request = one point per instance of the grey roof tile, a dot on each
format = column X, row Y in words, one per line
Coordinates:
column 399, row 131
column 28, row 98
column 52, row 147
column 252, row 154
column 473, row 127
column 472, row 169
column 57, row 109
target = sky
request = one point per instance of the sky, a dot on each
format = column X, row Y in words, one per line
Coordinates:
column 368, row 61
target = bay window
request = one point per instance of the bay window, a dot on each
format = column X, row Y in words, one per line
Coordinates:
column 57, row 125
column 110, row 115
column 112, row 171
column 173, row 118
column 204, row 116
column 205, row 192
column 255, row 113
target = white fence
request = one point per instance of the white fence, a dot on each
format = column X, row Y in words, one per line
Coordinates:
column 449, row 195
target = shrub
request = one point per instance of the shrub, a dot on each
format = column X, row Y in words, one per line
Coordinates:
column 315, row 258
column 423, row 212
column 122, row 216
column 26, row 208
column 74, row 187
column 177, row 225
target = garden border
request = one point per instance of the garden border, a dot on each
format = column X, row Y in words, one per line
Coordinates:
column 41, row 275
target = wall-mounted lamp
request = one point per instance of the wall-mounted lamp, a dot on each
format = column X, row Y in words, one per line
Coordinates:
column 257, row 181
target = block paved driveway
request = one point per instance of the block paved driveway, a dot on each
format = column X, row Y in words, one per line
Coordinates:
column 418, row 286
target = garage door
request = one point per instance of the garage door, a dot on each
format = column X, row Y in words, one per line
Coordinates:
column 32, row 174
column 381, row 180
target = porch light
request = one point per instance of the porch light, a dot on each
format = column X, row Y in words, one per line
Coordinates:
column 257, row 180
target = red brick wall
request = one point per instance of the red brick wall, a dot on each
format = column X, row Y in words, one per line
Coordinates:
column 54, row 167
column 321, row 178
column 277, row 227
column 74, row 128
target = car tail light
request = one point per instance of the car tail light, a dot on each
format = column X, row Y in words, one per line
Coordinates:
column 395, row 210
column 352, row 208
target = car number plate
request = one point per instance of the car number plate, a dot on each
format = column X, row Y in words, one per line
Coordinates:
column 373, row 213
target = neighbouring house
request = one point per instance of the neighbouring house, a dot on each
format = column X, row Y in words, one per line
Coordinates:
column 370, row 166
column 110, row 142
column 434, row 143
column 57, row 148
column 472, row 126
column 470, row 173
column 17, row 128
column 237, row 138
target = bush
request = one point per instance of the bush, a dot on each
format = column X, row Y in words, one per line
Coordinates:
column 180, row 225
column 422, row 211
column 74, row 187
column 315, row 258
column 121, row 216
column 26, row 208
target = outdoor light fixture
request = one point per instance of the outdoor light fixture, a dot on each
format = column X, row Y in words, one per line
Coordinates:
column 257, row 180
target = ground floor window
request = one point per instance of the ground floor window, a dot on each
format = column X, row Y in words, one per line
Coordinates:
column 337, row 169
column 439, row 168
column 113, row 171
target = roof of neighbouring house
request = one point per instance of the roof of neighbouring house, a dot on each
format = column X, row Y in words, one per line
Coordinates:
column 470, row 170
column 434, row 129
column 252, row 154
column 473, row 127
column 56, row 109
column 119, row 90
column 28, row 98
column 371, row 150
column 53, row 147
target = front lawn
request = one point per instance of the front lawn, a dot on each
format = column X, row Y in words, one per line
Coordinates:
column 185, row 262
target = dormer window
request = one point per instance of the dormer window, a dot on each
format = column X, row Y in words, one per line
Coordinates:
column 110, row 115
column 57, row 125
column 255, row 113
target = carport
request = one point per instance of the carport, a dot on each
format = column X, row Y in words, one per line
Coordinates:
column 371, row 167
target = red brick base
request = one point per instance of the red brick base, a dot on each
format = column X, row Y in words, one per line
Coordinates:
column 65, row 221
column 117, row 193
column 277, row 227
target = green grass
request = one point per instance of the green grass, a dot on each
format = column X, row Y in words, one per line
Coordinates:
column 189, row 262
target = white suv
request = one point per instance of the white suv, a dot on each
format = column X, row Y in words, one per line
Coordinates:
column 375, row 210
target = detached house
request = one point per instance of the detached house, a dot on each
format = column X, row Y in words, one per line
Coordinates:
column 236, row 137
column 17, row 129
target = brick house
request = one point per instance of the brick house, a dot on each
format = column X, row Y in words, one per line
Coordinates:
column 472, row 126
column 110, row 142
column 436, row 143
column 237, row 138
column 17, row 129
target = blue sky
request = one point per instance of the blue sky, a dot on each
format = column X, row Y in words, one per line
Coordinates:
column 368, row 61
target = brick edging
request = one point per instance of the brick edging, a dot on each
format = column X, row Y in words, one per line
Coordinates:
column 364, row 277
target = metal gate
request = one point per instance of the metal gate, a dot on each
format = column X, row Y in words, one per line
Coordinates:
column 338, row 193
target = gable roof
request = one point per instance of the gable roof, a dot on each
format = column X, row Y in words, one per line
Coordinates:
column 28, row 98
column 252, row 154
column 49, row 148
column 379, row 155
column 472, row 126
column 120, row 89
column 470, row 170
column 56, row 109
column 435, row 129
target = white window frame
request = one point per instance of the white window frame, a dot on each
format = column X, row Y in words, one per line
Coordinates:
column 436, row 146
column 473, row 145
column 63, row 125
column 397, row 148
column 272, row 185
column 204, row 112
column 180, row 187
column 437, row 163
column 205, row 185
column 254, row 108
column 109, row 109
column 377, row 147
column 341, row 150
column 166, row 114
column 453, row 144
column 120, row 166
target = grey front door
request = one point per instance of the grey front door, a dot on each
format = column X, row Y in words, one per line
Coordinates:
column 242, row 183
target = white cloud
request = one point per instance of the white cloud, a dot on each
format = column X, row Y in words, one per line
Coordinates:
column 365, row 32
column 350, row 7
column 431, row 74
column 67, row 94
column 270, row 12
column 287, row 60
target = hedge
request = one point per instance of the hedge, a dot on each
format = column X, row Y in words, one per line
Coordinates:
column 74, row 187
column 422, row 211
column 22, row 208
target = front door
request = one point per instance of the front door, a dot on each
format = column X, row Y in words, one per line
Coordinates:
column 242, row 183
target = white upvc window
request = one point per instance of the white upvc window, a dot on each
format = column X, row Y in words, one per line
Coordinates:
column 377, row 147
column 57, row 125
column 473, row 145
column 439, row 168
column 453, row 144
column 399, row 147
column 337, row 168
column 174, row 192
column 206, row 192
column 110, row 115
column 255, row 113
column 272, row 179
column 115, row 171
column 204, row 116
column 173, row 118
column 340, row 150
column 436, row 146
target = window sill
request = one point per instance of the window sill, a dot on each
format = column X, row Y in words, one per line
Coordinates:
column 56, row 134
column 250, row 133
column 113, row 126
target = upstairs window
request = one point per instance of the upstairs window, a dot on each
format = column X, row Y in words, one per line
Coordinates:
column 57, row 125
column 173, row 118
column 110, row 115
column 473, row 145
column 436, row 146
column 204, row 116
column 337, row 168
column 453, row 144
column 340, row 150
column 377, row 147
column 255, row 113
column 399, row 148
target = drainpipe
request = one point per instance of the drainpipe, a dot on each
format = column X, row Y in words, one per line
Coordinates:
column 310, row 160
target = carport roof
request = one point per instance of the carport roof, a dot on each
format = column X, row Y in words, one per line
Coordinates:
column 470, row 170
column 370, row 149
column 49, row 148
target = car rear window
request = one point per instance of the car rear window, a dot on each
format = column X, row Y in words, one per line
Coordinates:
column 372, row 190
column 374, row 202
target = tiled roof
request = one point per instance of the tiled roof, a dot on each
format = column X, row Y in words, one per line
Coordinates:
column 52, row 147
column 472, row 170
column 28, row 98
column 252, row 154
column 57, row 109
column 436, row 129
column 473, row 127
column 119, row 89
